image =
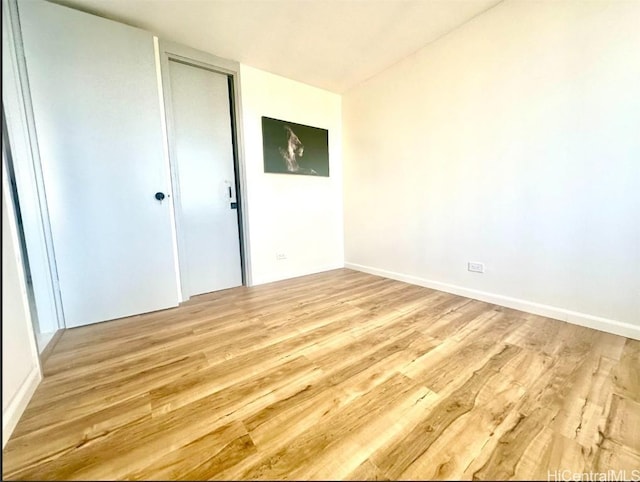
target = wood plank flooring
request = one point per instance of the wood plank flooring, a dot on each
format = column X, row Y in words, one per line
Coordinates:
column 338, row 375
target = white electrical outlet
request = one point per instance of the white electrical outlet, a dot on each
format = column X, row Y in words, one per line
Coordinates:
column 476, row 267
column 281, row 256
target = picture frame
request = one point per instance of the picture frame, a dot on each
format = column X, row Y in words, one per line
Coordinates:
column 292, row 148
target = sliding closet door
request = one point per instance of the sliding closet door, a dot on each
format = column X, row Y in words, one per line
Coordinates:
column 94, row 90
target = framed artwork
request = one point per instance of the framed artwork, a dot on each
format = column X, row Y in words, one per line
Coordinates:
column 291, row 148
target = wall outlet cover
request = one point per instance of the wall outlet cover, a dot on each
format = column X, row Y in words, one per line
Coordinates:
column 475, row 267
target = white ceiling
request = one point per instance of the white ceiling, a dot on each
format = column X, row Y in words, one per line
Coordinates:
column 332, row 44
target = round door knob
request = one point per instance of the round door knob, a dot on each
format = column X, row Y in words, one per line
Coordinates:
column 159, row 196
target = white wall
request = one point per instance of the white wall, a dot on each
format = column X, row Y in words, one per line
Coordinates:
column 20, row 369
column 300, row 216
column 513, row 141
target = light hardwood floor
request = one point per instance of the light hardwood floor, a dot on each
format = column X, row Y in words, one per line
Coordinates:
column 339, row 375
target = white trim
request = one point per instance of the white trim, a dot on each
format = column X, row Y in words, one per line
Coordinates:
column 296, row 273
column 19, row 402
column 12, row 414
column 13, row 228
column 167, row 161
column 590, row 321
column 43, row 340
column 28, row 170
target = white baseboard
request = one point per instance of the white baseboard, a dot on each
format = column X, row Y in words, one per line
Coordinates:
column 16, row 407
column 582, row 319
column 270, row 278
column 43, row 340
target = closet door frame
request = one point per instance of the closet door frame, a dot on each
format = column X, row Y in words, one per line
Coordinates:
column 170, row 51
column 22, row 137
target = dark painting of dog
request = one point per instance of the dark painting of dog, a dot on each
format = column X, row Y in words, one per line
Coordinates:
column 291, row 148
